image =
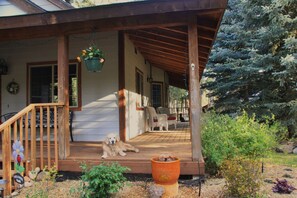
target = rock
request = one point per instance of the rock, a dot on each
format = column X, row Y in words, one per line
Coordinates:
column 295, row 150
column 33, row 174
column 155, row 191
column 15, row 193
column 41, row 176
column 278, row 150
column 27, row 179
column 27, row 184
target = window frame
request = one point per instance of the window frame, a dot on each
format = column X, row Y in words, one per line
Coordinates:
column 52, row 65
column 161, row 92
column 139, row 89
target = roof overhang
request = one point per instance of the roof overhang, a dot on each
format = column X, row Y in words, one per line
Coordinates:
column 158, row 28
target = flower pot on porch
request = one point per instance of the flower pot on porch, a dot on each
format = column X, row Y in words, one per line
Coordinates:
column 166, row 173
column 94, row 65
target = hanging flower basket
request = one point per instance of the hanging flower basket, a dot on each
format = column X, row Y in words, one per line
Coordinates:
column 94, row 64
column 93, row 58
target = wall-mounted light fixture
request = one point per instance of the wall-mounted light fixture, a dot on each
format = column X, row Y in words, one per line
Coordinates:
column 150, row 77
column 3, row 67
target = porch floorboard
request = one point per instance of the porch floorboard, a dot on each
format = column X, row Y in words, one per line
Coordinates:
column 175, row 141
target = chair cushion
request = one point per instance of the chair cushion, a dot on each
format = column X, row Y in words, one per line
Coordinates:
column 171, row 118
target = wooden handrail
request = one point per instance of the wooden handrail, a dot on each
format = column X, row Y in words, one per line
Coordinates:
column 23, row 127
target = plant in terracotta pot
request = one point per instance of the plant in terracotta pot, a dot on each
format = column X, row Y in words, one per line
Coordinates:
column 93, row 58
column 165, row 172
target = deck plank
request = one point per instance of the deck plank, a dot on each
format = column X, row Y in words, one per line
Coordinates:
column 151, row 144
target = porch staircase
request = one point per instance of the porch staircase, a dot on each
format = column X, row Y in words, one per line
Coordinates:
column 23, row 127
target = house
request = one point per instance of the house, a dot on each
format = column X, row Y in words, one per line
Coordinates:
column 148, row 45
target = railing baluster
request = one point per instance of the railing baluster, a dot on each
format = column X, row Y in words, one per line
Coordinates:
column 33, row 138
column 21, row 128
column 56, row 136
column 41, row 137
column 48, row 137
column 27, row 143
column 15, row 131
column 6, row 159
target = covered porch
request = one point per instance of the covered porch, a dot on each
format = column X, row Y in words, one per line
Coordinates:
column 173, row 36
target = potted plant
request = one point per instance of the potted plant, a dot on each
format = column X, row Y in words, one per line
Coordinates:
column 165, row 172
column 93, row 58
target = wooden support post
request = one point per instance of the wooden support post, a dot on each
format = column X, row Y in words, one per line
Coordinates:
column 121, row 92
column 63, row 97
column 194, row 89
column 6, row 159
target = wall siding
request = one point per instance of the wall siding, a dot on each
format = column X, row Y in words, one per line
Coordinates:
column 99, row 114
column 135, row 119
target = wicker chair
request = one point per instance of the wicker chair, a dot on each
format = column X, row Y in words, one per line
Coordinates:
column 156, row 120
column 171, row 117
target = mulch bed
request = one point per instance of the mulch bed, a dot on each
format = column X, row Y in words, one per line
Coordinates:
column 67, row 185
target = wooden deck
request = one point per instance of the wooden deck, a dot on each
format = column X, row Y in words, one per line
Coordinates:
column 176, row 142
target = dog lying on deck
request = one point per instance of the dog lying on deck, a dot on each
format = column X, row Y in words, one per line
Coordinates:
column 113, row 146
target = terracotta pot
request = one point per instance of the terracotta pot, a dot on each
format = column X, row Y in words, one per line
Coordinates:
column 165, row 172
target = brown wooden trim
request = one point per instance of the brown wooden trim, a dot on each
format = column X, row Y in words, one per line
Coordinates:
column 27, row 6
column 46, row 63
column 137, row 166
column 63, row 96
column 194, row 91
column 139, row 108
column 121, row 92
column 1, row 94
column 162, row 90
column 139, row 8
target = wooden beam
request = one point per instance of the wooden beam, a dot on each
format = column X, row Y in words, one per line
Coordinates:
column 156, row 41
column 194, row 85
column 27, row 6
column 108, row 24
column 121, row 92
column 63, row 96
column 133, row 9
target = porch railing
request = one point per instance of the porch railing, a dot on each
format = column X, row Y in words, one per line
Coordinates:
column 24, row 127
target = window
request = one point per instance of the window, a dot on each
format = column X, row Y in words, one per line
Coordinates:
column 157, row 94
column 43, row 84
column 139, row 87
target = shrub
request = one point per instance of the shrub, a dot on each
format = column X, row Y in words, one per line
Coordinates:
column 103, row 180
column 224, row 137
column 243, row 177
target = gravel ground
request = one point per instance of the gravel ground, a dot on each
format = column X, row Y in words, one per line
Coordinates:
column 211, row 188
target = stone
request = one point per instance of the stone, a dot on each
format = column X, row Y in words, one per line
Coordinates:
column 278, row 150
column 155, row 191
column 33, row 173
column 41, row 176
column 295, row 150
column 27, row 179
column 28, row 184
column 15, row 193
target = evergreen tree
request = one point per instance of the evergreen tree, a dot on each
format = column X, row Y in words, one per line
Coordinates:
column 254, row 61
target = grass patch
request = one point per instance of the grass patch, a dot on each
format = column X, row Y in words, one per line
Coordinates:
column 282, row 159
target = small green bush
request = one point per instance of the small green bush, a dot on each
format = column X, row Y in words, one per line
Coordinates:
column 103, row 180
column 224, row 137
column 243, row 177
